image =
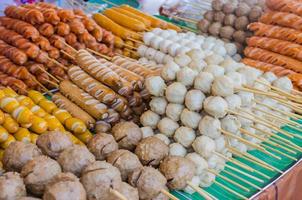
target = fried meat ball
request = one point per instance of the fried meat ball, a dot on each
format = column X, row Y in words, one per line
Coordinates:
column 98, row 178
column 17, row 154
column 178, row 171
column 151, row 151
column 125, row 161
column 38, row 172
column 149, row 182
column 127, row 135
column 11, row 186
column 101, row 145
column 53, row 143
column 75, row 158
column 64, row 186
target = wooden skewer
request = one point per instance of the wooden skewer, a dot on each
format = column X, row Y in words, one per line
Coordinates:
column 242, row 179
column 134, row 40
column 234, row 161
column 297, row 91
column 288, row 104
column 73, row 49
column 42, row 86
column 67, row 54
column 57, row 63
column 230, row 190
column 52, row 83
column 283, row 143
column 129, row 46
column 99, row 54
column 118, row 194
column 245, row 174
column 228, row 180
column 131, row 50
column 168, row 194
column 202, row 192
column 280, row 152
column 185, row 19
column 247, row 89
column 50, row 75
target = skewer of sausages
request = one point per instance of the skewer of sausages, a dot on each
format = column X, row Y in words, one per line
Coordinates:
column 14, row 54
column 32, row 16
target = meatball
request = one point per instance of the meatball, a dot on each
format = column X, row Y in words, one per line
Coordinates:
column 64, row 186
column 74, row 159
column 125, row 161
column 127, row 135
column 28, row 198
column 17, row 154
column 215, row 106
column 11, row 186
column 101, row 145
column 128, row 191
column 204, row 145
column 178, row 171
column 98, row 178
column 151, row 151
column 38, row 172
column 53, row 143
column 148, row 181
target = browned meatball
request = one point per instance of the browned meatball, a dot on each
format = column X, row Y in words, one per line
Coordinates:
column 178, row 171
column 74, row 159
column 38, row 172
column 28, row 198
column 151, row 151
column 53, row 143
column 101, row 145
column 125, row 161
column 17, row 154
column 64, row 186
column 161, row 196
column 127, row 135
column 148, row 181
column 11, row 186
column 128, row 191
column 98, row 178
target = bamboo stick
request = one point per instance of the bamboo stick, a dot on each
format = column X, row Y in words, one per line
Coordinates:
column 99, row 54
column 202, row 192
column 230, row 190
column 242, row 179
column 168, row 194
column 245, row 174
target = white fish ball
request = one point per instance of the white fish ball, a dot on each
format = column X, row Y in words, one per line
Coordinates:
column 231, row 49
column 204, row 145
column 214, row 59
column 142, row 50
column 155, row 85
column 262, row 87
column 173, row 48
column 284, row 83
column 220, row 50
column 215, row 70
column 194, row 100
column 165, row 34
column 197, row 66
column 241, row 147
column 210, row 127
column 247, row 98
column 164, row 46
column 183, row 50
column 155, row 42
column 186, row 76
column 230, row 123
column 196, row 54
column 176, row 92
column 220, row 143
column 159, row 57
column 168, row 59
column 215, row 162
column 147, row 37
column 158, row 105
column 194, row 181
column 173, row 111
column 176, row 149
column 190, row 118
column 163, row 138
column 147, row 131
column 234, row 101
column 269, row 76
column 184, row 136
column 200, row 163
column 150, row 53
column 215, row 106
column 169, row 71
column 149, row 118
column 182, row 60
column 229, row 65
column 222, row 86
column 206, row 179
column 237, row 78
column 156, row 31
column 167, row 126
column 203, row 82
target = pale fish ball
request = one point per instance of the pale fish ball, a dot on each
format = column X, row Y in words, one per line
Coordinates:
column 237, row 78
column 203, row 82
column 229, row 65
column 244, row 121
column 247, row 98
column 159, row 57
column 284, row 108
column 155, row 42
column 204, row 145
column 171, row 32
column 251, row 74
column 269, row 101
column 173, row 111
column 184, row 136
column 262, row 129
column 174, row 39
column 173, row 48
column 176, row 92
column 262, row 87
column 147, row 131
column 157, row 31
column 194, row 100
column 222, row 86
column 194, row 181
column 208, row 52
column 183, row 41
column 215, row 106
column 219, row 41
column 158, row 105
column 241, row 147
column 230, row 48
column 149, row 118
column 141, row 50
column 183, row 50
column 220, row 143
column 150, row 53
column 163, row 138
column 182, row 60
column 197, row 66
column 147, row 37
column 250, row 130
column 190, row 34
column 168, row 59
column 208, row 45
column 164, row 46
column 200, row 37
column 234, row 101
column 155, row 85
column 169, row 71
column 176, row 149
column 284, row 83
column 200, row 163
column 215, row 70
column 237, row 57
column 230, row 123
column 193, row 45
column 220, row 50
column 143, row 60
column 206, row 179
column 165, row 34
column 182, row 35
column 190, row 118
column 214, row 59
column 269, row 76
column 210, row 127
column 167, row 126
column 210, row 39
column 186, row 76
column 215, row 162
column 196, row 54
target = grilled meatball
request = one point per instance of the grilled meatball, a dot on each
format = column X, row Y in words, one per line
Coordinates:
column 101, row 145
column 11, row 186
column 128, row 191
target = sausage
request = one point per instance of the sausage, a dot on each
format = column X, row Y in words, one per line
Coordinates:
column 54, row 53
column 84, row 100
column 43, row 43
column 14, row 54
column 134, row 16
column 124, row 20
column 46, row 29
column 66, row 15
column 76, row 26
column 88, row 23
column 64, row 103
column 32, row 16
column 71, row 39
column 62, row 29
column 97, row 33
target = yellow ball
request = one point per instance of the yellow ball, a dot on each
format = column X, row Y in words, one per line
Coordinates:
column 25, row 101
column 3, row 134
column 61, row 115
column 9, row 92
column 39, row 125
column 47, row 105
column 9, row 104
column 85, row 137
column 9, row 140
column 53, row 123
column 35, row 96
column 38, row 111
column 23, row 135
column 28, row 125
column 33, row 138
column 75, row 125
column 22, row 115
column 10, row 124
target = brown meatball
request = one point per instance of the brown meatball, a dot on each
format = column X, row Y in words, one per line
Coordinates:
column 98, row 178
column 178, row 171
column 209, row 15
column 128, row 191
column 38, row 172
column 127, row 135
column 28, row 198
column 74, row 159
column 219, row 17
column 203, row 25
column 11, row 186
column 151, row 151
column 64, row 186
column 149, row 182
column 125, row 161
column 101, row 145
column 241, row 23
column 53, row 143
column 161, row 196
column 17, row 154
